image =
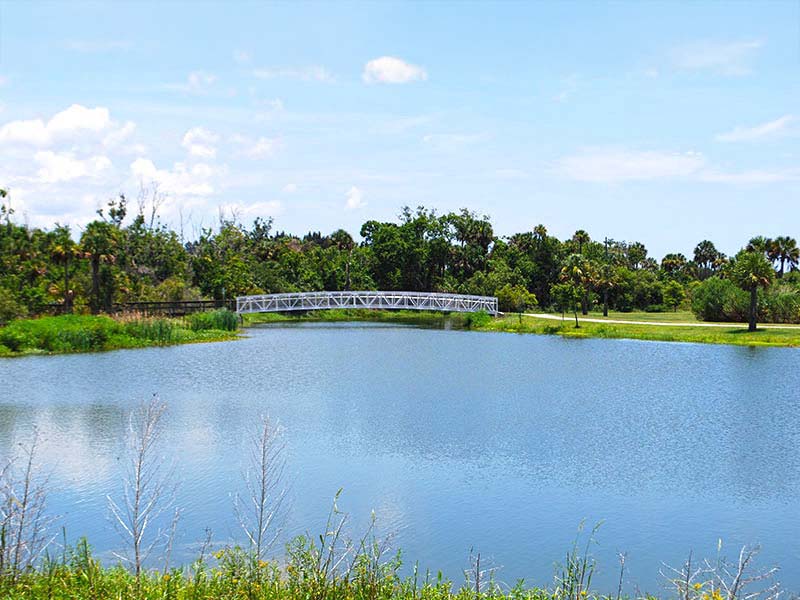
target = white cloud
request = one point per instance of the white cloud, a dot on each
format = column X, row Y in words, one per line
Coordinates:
column 65, row 167
column 181, row 180
column 248, row 212
column 197, row 82
column 613, row 165
column 64, row 125
column 746, row 134
column 200, row 142
column 725, row 58
column 388, row 69
column 116, row 137
column 290, row 188
column 354, row 199
column 309, row 73
column 262, row 147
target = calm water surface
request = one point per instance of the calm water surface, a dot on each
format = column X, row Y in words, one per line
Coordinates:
column 457, row 440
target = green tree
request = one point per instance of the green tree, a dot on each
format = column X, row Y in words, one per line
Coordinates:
column 580, row 272
column 65, row 252
column 515, row 298
column 783, row 250
column 566, row 297
column 100, row 245
column 674, row 294
column 752, row 271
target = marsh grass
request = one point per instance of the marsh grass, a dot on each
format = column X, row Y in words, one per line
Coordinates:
column 87, row 333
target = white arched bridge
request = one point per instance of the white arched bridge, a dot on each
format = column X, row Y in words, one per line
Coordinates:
column 366, row 299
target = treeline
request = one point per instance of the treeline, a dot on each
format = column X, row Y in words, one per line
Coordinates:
column 124, row 257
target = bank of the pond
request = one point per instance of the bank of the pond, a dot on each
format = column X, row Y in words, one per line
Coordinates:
column 733, row 334
column 90, row 333
column 681, row 331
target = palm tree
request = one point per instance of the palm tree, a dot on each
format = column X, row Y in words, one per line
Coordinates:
column 63, row 251
column 100, row 245
column 344, row 243
column 581, row 238
column 751, row 271
column 579, row 272
column 784, row 250
column 707, row 258
column 760, row 244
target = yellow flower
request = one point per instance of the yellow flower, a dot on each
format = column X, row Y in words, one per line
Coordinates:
column 262, row 563
column 583, row 593
column 698, row 586
column 166, row 576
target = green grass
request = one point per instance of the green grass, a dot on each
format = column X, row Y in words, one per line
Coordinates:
column 681, row 316
column 85, row 333
column 734, row 334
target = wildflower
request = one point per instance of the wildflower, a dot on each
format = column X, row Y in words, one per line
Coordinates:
column 583, row 593
column 166, row 576
column 262, row 563
column 698, row 586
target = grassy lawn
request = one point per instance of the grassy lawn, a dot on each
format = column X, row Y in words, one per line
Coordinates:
column 735, row 334
column 681, row 316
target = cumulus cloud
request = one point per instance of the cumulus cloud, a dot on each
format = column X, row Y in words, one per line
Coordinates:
column 389, row 69
column 197, row 82
column 308, row 73
column 613, row 166
column 65, row 166
column 261, row 147
column 724, row 58
column 354, row 199
column 118, row 136
column 200, row 142
column 747, row 134
column 181, row 180
column 64, row 125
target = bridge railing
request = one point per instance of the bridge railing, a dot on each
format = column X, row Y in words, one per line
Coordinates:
column 365, row 299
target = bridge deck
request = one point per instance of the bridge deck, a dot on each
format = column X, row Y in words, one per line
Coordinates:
column 365, row 299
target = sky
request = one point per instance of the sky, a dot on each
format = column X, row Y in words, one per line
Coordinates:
column 663, row 122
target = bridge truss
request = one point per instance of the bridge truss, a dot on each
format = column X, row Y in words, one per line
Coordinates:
column 366, row 299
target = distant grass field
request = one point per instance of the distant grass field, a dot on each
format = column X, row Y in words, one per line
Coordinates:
column 681, row 316
column 733, row 334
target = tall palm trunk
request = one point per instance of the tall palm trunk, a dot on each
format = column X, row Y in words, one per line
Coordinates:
column 95, row 284
column 67, row 294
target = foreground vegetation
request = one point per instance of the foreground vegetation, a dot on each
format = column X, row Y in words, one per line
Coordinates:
column 92, row 333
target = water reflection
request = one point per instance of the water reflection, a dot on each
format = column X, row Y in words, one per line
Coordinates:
column 459, row 439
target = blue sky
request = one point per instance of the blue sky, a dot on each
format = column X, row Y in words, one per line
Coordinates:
column 660, row 122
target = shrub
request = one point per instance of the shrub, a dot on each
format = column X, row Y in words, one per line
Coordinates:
column 515, row 298
column 477, row 319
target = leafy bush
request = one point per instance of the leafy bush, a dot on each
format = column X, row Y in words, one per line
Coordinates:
column 477, row 319
column 712, row 299
column 515, row 298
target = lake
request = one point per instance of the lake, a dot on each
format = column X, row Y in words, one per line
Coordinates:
column 458, row 440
